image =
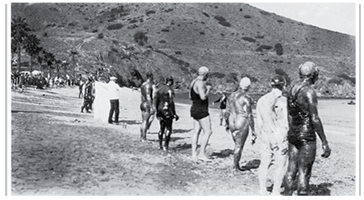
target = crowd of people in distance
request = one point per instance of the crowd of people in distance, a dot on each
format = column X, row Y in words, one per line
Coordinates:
column 22, row 80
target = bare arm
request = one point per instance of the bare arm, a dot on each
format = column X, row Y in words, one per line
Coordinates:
column 202, row 89
column 249, row 110
column 316, row 121
column 171, row 101
column 150, row 94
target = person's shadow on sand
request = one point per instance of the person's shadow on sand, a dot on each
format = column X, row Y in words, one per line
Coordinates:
column 321, row 189
column 223, row 153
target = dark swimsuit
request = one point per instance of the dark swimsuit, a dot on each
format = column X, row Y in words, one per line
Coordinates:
column 199, row 108
column 162, row 98
column 301, row 128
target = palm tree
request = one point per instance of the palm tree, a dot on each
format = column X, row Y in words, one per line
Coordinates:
column 58, row 66
column 49, row 58
column 73, row 55
column 19, row 29
column 40, row 58
column 32, row 48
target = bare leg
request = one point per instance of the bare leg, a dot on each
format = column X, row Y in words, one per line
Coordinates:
column 290, row 177
column 161, row 133
column 205, row 124
column 306, row 159
column 195, row 136
column 143, row 126
column 240, row 138
column 168, row 134
column 150, row 119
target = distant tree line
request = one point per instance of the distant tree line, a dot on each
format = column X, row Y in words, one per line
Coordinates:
column 22, row 39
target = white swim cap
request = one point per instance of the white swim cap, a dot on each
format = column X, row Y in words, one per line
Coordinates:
column 308, row 68
column 244, row 83
column 203, row 70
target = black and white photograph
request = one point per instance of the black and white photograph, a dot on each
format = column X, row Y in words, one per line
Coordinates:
column 209, row 98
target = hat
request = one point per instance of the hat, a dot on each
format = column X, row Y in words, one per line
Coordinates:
column 278, row 81
column 113, row 78
column 308, row 68
column 244, row 83
column 203, row 70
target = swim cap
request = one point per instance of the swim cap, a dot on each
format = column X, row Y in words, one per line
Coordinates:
column 308, row 68
column 203, row 70
column 113, row 78
column 278, row 81
column 244, row 83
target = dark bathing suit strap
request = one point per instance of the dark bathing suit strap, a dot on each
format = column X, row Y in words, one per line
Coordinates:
column 193, row 83
column 296, row 94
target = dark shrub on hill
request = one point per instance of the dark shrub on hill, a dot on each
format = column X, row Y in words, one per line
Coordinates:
column 206, row 14
column 100, row 36
column 133, row 21
column 280, row 21
column 133, row 26
column 279, row 49
column 140, row 38
column 115, row 26
column 193, row 71
column 227, row 24
column 165, row 30
column 217, row 75
column 150, row 12
column 249, row 39
column 232, row 77
column 264, row 13
column 220, row 18
column 263, row 47
column 346, row 77
column 337, row 81
column 247, row 16
column 162, row 41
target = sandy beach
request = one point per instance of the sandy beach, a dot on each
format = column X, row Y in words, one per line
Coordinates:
column 57, row 150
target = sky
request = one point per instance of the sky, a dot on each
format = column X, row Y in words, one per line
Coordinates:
column 340, row 17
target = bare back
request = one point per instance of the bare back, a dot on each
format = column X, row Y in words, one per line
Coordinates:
column 239, row 108
column 147, row 92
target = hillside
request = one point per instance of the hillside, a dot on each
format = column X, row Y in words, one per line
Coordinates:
column 232, row 39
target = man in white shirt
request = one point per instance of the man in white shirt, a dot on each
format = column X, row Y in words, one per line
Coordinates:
column 114, row 100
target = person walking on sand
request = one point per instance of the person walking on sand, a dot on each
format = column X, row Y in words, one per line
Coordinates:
column 304, row 123
column 199, row 91
column 88, row 96
column 147, row 106
column 166, row 112
column 239, row 118
column 222, row 100
column 272, row 128
column 80, row 88
column 113, row 90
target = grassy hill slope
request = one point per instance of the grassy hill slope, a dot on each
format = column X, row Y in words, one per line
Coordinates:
column 232, row 39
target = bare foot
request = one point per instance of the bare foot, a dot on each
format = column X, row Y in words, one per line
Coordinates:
column 204, row 158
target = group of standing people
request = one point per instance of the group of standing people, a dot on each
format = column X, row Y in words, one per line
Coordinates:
column 286, row 123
